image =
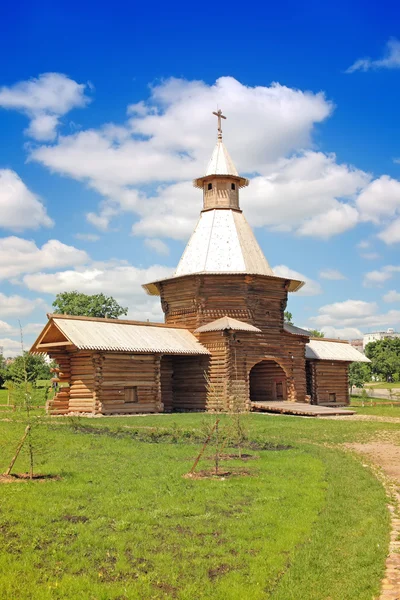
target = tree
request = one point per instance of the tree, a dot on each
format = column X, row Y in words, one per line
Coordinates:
column 385, row 358
column 83, row 305
column 359, row 373
column 288, row 317
column 33, row 365
column 316, row 333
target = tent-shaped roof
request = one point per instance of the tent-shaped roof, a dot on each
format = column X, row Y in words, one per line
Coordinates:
column 328, row 350
column 223, row 242
column 227, row 323
column 86, row 333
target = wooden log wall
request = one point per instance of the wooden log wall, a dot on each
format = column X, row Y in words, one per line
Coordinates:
column 218, row 371
column 166, row 382
column 263, row 378
column 198, row 299
column 189, row 384
column 329, row 377
column 82, row 383
column 129, row 383
column 59, row 404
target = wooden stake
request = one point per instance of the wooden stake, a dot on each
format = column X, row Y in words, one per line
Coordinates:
column 18, row 450
column 196, row 462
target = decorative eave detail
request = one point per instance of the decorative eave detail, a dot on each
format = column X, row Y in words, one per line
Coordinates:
column 226, row 323
column 153, row 288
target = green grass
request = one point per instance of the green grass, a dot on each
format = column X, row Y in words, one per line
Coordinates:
column 382, row 385
column 310, row 522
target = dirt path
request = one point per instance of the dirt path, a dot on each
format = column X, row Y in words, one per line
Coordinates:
column 386, row 456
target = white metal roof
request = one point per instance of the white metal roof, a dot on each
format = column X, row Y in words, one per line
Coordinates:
column 220, row 162
column 125, row 337
column 223, row 242
column 227, row 323
column 324, row 350
column 295, row 330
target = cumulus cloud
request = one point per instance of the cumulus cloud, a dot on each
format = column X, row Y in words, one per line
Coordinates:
column 20, row 208
column 44, row 100
column 311, row 287
column 391, row 233
column 163, row 143
column 379, row 200
column 18, row 256
column 355, row 314
column 17, row 306
column 342, row 333
column 392, row 296
column 390, row 60
column 157, row 245
column 332, row 274
column 87, row 237
column 121, row 280
column 10, row 347
column 378, row 277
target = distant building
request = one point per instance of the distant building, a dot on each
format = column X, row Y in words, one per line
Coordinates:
column 357, row 344
column 380, row 335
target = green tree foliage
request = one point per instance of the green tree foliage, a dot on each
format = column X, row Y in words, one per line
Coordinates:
column 359, row 373
column 82, row 305
column 385, row 358
column 316, row 333
column 34, row 364
column 288, row 317
column 2, row 370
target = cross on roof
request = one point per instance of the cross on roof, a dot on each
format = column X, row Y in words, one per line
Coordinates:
column 220, row 116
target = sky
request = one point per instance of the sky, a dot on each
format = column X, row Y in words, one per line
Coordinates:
column 106, row 118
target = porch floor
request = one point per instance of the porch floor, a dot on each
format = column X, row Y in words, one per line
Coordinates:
column 299, row 408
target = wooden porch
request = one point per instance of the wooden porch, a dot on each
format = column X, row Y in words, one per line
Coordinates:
column 299, row 408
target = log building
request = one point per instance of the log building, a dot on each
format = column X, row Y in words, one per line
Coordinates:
column 224, row 342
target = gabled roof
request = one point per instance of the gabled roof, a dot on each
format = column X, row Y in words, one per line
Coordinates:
column 109, row 334
column 223, row 242
column 341, row 351
column 289, row 328
column 227, row 323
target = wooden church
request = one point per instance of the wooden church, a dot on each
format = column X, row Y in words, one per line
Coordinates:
column 224, row 342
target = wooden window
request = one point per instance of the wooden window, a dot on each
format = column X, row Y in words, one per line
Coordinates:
column 332, row 397
column 209, row 186
column 131, row 394
column 233, row 186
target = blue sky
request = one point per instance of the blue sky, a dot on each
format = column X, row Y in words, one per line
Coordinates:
column 105, row 118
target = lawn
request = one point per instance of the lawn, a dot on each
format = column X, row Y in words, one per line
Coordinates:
column 123, row 523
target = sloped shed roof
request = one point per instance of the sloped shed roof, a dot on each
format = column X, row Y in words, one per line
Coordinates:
column 125, row 336
column 227, row 323
column 342, row 351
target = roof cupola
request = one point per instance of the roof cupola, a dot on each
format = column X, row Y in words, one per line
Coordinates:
column 221, row 183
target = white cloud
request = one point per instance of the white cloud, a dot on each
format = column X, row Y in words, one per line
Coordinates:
column 392, row 296
column 369, row 255
column 379, row 200
column 87, row 237
column 122, row 281
column 19, row 256
column 157, row 245
column 391, row 59
column 311, row 287
column 44, row 100
column 333, row 274
column 354, row 314
column 364, row 244
column 17, row 306
column 10, row 347
column 391, row 234
column 342, row 333
column 168, row 138
column 378, row 277
column 19, row 208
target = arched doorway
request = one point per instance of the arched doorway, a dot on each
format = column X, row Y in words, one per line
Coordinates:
column 268, row 382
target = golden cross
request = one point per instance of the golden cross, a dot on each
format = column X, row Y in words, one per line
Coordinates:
column 220, row 116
